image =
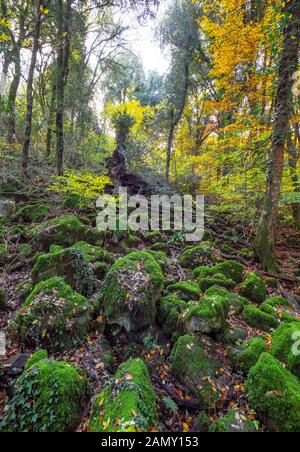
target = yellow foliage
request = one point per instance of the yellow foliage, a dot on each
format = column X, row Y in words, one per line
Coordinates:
column 134, row 109
column 87, row 186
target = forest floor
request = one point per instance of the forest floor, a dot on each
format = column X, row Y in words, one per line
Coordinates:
column 156, row 353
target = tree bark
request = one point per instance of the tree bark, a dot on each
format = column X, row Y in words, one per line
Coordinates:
column 14, row 86
column 266, row 230
column 51, row 120
column 292, row 161
column 29, row 105
column 64, row 19
column 175, row 117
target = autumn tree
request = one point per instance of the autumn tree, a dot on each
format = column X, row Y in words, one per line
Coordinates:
column 266, row 231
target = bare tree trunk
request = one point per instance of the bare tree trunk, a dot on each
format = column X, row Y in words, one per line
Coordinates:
column 13, row 90
column 266, row 231
column 4, row 74
column 64, row 19
column 29, row 105
column 51, row 120
column 292, row 161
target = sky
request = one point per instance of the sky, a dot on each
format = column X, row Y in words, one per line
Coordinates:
column 145, row 44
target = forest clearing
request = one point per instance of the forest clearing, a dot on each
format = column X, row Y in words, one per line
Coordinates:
column 150, row 218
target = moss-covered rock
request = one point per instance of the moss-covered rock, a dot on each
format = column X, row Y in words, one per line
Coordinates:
column 71, row 264
column 35, row 358
column 31, row 214
column 274, row 393
column 259, row 319
column 128, row 404
column 236, row 302
column 65, row 231
column 195, row 256
column 195, row 368
column 284, row 346
column 234, row 422
column 271, row 305
column 170, row 308
column 216, row 280
column 202, row 423
column 153, row 237
column 48, row 397
column 3, row 300
column 53, row 315
column 161, row 258
column 254, row 288
column 248, row 354
column 186, row 290
column 231, row 270
column 161, row 246
column 131, row 291
column 208, row 316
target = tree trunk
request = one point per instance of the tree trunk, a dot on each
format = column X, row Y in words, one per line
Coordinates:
column 13, row 90
column 63, row 18
column 4, row 74
column 266, row 231
column 292, row 161
column 29, row 105
column 175, row 117
column 50, row 120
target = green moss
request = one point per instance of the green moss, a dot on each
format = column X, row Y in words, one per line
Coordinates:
column 32, row 213
column 65, row 231
column 131, row 290
column 202, row 423
column 234, row 422
column 53, row 315
column 153, row 237
column 48, row 397
column 35, row 358
column 248, row 355
column 236, row 303
column 272, row 282
column 72, row 201
column 161, row 258
column 72, row 264
column 3, row 250
column 254, row 288
column 274, row 393
column 206, row 317
column 259, row 319
column 91, row 253
column 194, row 256
column 3, row 300
column 186, row 290
column 247, row 252
column 191, row 365
column 230, row 269
column 160, row 247
column 284, row 348
column 170, row 309
column 128, row 404
column 278, row 302
column 216, row 280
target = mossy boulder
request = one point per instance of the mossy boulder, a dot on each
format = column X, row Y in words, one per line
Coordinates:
column 65, row 231
column 196, row 368
column 208, row 316
column 3, row 300
column 284, row 346
column 202, row 423
column 72, row 201
column 248, row 354
column 195, row 256
column 254, row 288
column 274, row 393
column 236, row 302
column 234, row 422
column 256, row 318
column 216, row 280
column 37, row 356
column 153, row 237
column 186, row 290
column 231, row 270
column 128, row 404
column 271, row 305
column 161, row 258
column 71, row 264
column 170, row 308
column 53, row 315
column 31, row 214
column 131, row 290
column 48, row 397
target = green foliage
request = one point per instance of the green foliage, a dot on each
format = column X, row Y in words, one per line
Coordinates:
column 87, row 186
